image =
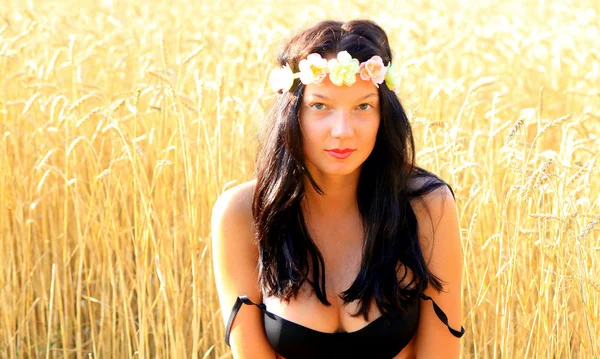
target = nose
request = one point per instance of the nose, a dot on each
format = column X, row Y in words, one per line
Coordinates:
column 342, row 124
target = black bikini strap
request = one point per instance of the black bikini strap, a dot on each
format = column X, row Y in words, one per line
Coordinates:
column 440, row 313
column 236, row 307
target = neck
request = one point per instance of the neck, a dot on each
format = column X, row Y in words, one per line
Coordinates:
column 338, row 198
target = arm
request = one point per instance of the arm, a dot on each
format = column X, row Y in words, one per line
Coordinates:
column 235, row 258
column 439, row 235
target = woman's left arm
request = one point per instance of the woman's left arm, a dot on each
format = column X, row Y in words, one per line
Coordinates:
column 439, row 236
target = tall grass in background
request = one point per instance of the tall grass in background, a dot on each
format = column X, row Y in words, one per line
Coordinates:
column 121, row 123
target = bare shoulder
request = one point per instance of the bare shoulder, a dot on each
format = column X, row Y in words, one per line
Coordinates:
column 439, row 238
column 235, row 259
column 235, row 254
column 433, row 206
column 438, row 227
column 438, row 198
column 235, row 203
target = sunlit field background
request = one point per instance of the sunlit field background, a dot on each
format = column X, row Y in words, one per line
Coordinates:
column 121, row 122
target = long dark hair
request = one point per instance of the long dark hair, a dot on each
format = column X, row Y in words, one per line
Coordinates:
column 391, row 250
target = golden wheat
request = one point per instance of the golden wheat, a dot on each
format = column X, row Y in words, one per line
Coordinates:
column 121, row 123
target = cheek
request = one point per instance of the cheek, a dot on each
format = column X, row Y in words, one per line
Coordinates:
column 310, row 145
column 371, row 129
column 310, row 135
column 375, row 132
column 307, row 141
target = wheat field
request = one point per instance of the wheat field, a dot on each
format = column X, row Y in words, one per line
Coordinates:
column 122, row 122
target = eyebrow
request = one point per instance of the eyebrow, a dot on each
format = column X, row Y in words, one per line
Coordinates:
column 372, row 94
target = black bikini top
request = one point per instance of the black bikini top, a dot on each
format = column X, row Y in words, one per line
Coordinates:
column 380, row 339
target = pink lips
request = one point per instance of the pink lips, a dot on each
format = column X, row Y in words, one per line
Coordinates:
column 340, row 153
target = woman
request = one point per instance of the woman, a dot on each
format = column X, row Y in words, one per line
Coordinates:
column 341, row 247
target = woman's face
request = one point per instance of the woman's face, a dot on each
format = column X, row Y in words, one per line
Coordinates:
column 337, row 119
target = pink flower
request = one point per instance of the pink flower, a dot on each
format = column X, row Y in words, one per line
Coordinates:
column 373, row 70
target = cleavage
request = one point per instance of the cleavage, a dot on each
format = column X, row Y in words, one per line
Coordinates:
column 341, row 268
column 340, row 245
column 309, row 312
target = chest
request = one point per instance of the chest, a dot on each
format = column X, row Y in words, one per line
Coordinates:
column 341, row 246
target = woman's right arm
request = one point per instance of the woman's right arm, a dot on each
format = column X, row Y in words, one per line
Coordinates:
column 235, row 259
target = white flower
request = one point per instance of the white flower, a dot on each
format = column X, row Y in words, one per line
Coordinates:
column 343, row 69
column 313, row 69
column 392, row 77
column 281, row 79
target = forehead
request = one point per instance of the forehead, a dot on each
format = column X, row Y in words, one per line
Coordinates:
column 327, row 90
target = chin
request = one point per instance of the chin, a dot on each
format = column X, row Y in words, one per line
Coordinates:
column 339, row 170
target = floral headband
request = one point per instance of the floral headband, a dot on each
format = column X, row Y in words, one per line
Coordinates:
column 342, row 70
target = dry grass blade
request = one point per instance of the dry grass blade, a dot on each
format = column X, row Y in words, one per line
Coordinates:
column 545, row 216
column 513, row 130
column 192, row 54
column 587, row 229
column 80, row 101
column 551, row 124
column 160, row 76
